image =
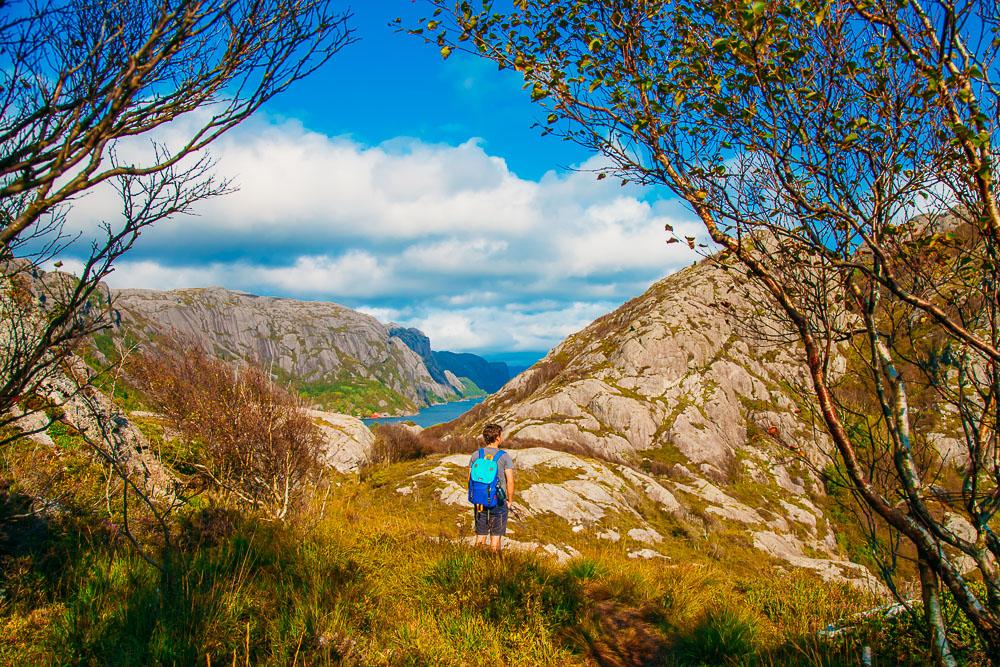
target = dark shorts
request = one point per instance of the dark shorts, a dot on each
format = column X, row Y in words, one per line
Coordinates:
column 492, row 521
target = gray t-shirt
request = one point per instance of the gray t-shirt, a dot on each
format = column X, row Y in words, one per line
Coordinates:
column 504, row 463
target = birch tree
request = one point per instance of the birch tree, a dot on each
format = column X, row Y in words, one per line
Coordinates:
column 80, row 81
column 840, row 154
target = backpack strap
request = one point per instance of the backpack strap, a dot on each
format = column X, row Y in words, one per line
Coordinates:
column 482, row 453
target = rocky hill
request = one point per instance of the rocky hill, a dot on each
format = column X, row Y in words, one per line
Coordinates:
column 691, row 372
column 693, row 386
column 339, row 358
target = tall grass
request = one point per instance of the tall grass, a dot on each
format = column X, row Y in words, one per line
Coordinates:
column 375, row 580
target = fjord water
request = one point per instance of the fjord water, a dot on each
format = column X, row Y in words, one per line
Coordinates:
column 432, row 414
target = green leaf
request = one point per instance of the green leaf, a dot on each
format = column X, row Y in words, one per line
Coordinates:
column 821, row 14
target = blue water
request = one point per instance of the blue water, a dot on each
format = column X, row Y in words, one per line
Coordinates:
column 431, row 415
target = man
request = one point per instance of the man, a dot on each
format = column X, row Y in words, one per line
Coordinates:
column 492, row 522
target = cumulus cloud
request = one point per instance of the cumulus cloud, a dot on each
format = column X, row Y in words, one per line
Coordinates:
column 443, row 237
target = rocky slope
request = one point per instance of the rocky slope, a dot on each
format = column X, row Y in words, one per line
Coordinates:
column 340, row 358
column 688, row 373
column 569, row 504
column 693, row 386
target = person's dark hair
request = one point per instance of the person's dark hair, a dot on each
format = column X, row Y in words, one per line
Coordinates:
column 491, row 433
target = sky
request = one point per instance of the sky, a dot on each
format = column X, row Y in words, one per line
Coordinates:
column 415, row 190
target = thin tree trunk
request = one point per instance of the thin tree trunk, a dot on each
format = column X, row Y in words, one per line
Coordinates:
column 929, row 591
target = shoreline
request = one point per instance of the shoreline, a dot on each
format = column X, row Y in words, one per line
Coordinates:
column 438, row 413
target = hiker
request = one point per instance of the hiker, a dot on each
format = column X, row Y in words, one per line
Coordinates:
column 491, row 487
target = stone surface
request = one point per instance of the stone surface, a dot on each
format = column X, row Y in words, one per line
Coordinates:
column 347, row 442
column 647, row 535
column 682, row 368
column 562, row 553
column 786, row 548
column 600, row 499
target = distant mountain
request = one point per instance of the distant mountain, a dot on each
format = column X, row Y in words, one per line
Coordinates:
column 467, row 375
column 417, row 340
column 490, row 375
column 340, row 359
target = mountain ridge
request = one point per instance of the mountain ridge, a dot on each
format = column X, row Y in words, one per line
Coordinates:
column 339, row 358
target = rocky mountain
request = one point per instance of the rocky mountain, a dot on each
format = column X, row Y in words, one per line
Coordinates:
column 481, row 376
column 692, row 385
column 339, row 358
column 490, row 375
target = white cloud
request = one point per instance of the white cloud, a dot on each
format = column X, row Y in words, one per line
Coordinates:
column 441, row 237
column 356, row 274
column 506, row 328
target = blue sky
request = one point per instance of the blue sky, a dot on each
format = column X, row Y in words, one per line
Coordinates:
column 389, row 84
column 414, row 189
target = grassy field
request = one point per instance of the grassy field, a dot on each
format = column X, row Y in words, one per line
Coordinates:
column 364, row 576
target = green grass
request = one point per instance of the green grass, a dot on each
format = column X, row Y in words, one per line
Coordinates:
column 470, row 389
column 356, row 396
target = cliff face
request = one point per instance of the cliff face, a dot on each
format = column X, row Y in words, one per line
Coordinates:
column 416, row 340
column 332, row 353
column 490, row 375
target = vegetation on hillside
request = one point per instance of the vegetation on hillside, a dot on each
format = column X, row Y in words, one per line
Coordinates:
column 356, row 396
column 232, row 427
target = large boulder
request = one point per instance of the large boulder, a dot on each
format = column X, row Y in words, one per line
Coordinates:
column 347, row 442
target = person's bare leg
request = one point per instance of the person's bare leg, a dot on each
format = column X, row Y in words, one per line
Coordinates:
column 495, row 542
column 481, row 540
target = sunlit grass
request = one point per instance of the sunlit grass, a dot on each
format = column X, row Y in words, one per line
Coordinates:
column 367, row 576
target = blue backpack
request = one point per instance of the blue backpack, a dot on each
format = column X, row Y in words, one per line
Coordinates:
column 484, row 480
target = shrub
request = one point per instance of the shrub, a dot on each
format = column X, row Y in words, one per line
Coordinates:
column 240, row 431
column 395, row 443
column 722, row 637
column 584, row 569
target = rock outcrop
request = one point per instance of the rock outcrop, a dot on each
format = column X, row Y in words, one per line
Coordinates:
column 347, row 442
column 684, row 374
column 696, row 398
column 566, row 499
